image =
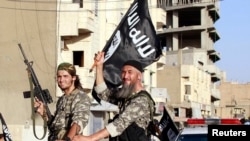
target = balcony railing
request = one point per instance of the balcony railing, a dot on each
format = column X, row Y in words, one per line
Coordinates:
column 169, row 3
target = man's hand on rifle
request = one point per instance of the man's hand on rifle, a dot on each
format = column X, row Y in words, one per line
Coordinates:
column 40, row 109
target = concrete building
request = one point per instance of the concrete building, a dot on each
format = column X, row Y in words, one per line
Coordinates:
column 236, row 99
column 33, row 24
column 190, row 74
column 52, row 32
column 85, row 32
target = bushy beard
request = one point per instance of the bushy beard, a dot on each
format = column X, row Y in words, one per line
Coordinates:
column 125, row 91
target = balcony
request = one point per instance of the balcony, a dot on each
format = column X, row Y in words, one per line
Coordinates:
column 215, row 95
column 182, row 29
column 180, row 4
column 162, row 61
column 68, row 17
column 160, row 17
column 214, row 72
column 86, row 21
column 213, row 34
column 213, row 55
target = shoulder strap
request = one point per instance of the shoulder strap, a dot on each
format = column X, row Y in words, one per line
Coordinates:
column 145, row 93
column 32, row 93
column 151, row 104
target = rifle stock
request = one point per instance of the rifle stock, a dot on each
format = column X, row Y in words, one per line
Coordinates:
column 42, row 95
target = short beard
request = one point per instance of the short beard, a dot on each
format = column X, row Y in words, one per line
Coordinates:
column 125, row 91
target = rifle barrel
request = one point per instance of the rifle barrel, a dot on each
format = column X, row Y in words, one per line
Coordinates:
column 38, row 89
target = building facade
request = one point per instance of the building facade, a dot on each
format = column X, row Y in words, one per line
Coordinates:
column 84, row 29
column 236, row 99
column 190, row 73
column 33, row 24
column 52, row 32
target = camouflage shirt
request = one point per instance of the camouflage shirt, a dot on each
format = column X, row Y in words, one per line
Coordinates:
column 73, row 108
column 136, row 110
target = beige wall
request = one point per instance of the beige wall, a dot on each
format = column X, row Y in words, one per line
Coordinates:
column 33, row 24
column 169, row 78
column 234, row 96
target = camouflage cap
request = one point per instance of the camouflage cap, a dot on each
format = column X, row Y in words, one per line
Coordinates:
column 67, row 67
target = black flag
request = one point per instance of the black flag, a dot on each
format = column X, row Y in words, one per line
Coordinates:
column 169, row 131
column 134, row 38
column 6, row 133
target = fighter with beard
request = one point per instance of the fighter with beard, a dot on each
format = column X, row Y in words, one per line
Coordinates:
column 134, row 110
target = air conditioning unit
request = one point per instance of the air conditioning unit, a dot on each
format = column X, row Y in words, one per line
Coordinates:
column 187, row 97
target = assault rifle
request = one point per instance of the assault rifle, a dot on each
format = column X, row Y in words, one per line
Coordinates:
column 42, row 95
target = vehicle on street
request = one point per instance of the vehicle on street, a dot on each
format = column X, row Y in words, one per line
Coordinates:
column 197, row 129
column 247, row 122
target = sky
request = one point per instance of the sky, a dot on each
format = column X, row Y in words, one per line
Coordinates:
column 233, row 46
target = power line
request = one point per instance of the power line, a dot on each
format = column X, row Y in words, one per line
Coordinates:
column 82, row 10
column 90, row 1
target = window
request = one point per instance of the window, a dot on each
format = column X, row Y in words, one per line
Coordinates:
column 80, row 2
column 187, row 89
column 176, row 112
column 78, row 58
